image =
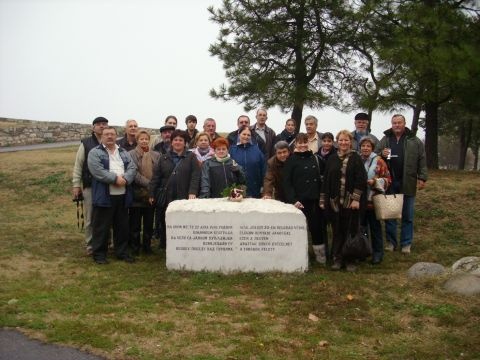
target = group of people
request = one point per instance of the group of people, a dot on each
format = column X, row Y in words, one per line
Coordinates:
column 127, row 184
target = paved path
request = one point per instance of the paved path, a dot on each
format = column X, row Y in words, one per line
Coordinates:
column 16, row 346
column 38, row 146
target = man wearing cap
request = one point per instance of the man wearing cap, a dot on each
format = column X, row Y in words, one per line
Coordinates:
column 113, row 172
column 405, row 154
column 82, row 178
column 128, row 142
column 264, row 132
column 191, row 122
column 361, row 130
column 163, row 146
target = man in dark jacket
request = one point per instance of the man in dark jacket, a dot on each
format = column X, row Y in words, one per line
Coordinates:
column 113, row 172
column 163, row 145
column 272, row 183
column 128, row 142
column 82, row 179
column 405, row 155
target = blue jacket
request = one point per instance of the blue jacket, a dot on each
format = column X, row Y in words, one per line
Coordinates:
column 251, row 159
column 99, row 166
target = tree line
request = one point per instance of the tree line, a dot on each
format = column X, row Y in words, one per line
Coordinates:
column 374, row 55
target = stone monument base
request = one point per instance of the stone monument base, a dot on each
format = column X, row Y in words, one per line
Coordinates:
column 220, row 235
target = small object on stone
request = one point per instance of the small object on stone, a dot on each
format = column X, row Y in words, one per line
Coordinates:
column 425, row 269
column 469, row 264
column 236, row 195
column 312, row 317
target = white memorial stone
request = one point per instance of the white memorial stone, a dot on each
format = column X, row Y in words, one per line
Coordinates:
column 251, row 235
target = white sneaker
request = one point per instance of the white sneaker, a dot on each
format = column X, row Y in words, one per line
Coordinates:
column 406, row 249
column 390, row 247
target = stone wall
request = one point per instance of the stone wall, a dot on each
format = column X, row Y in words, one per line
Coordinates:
column 15, row 132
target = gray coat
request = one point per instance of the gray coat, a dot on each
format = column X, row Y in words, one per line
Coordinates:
column 99, row 167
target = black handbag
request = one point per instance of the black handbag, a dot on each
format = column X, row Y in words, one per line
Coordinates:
column 357, row 245
column 161, row 196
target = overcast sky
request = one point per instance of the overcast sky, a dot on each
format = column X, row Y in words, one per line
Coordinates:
column 74, row 60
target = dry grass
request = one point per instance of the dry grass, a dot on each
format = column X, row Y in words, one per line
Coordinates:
column 143, row 311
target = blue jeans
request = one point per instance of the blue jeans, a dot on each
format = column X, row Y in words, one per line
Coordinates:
column 406, row 233
column 373, row 227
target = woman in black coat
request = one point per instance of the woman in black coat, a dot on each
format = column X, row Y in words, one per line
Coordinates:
column 343, row 195
column 301, row 183
column 176, row 177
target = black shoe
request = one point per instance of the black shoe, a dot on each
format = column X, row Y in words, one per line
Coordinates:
column 101, row 261
column 127, row 259
column 136, row 252
column 148, row 251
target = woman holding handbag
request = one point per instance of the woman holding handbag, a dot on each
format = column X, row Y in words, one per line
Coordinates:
column 176, row 177
column 378, row 182
column 343, row 196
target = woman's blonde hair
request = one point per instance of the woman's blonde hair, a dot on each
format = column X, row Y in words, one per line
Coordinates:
column 346, row 133
column 200, row 134
column 142, row 132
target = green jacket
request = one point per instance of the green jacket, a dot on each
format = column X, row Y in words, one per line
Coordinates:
column 414, row 163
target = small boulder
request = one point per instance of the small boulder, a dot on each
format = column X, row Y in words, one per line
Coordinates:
column 463, row 284
column 425, row 269
column 469, row 264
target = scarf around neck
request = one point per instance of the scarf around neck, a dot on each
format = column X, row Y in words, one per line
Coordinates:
column 145, row 163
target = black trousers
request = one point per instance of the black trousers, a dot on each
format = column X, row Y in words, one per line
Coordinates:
column 137, row 214
column 104, row 218
column 162, row 227
column 343, row 223
column 311, row 210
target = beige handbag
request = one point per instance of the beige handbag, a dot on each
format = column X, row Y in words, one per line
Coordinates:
column 388, row 207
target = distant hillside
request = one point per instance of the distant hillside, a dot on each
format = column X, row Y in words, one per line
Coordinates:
column 15, row 132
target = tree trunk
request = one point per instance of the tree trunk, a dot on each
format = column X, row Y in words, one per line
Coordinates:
column 297, row 115
column 431, row 134
column 465, row 136
column 475, row 148
column 416, row 116
column 370, row 114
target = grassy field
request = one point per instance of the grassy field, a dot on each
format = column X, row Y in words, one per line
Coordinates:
column 52, row 291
